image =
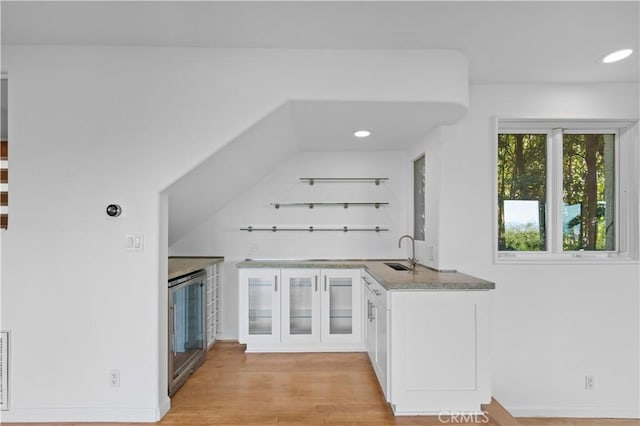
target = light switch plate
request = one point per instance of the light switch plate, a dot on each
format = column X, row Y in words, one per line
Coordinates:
column 134, row 242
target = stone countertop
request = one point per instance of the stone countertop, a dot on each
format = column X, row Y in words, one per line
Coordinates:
column 422, row 279
column 182, row 265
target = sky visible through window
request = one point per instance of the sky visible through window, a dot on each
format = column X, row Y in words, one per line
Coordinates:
column 519, row 213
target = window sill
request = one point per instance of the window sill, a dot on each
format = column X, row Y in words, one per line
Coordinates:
column 564, row 259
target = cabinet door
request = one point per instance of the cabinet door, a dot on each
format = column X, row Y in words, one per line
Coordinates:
column 370, row 327
column 260, row 317
column 366, row 312
column 381, row 346
column 300, row 305
column 341, row 304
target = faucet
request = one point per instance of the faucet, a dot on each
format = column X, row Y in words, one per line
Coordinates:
column 412, row 260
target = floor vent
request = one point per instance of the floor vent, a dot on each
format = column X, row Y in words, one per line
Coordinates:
column 4, row 370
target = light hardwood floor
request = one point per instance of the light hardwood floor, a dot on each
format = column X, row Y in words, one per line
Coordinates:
column 577, row 422
column 235, row 388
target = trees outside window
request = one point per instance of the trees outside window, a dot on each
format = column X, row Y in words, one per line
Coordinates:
column 522, row 191
column 588, row 165
column 558, row 190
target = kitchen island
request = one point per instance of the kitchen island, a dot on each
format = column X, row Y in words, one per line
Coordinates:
column 426, row 332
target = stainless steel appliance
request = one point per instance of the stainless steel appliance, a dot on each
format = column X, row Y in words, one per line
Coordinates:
column 187, row 337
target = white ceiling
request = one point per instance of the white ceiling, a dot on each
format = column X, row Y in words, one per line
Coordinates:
column 329, row 126
column 505, row 41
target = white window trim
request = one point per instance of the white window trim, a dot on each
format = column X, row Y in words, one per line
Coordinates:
column 413, row 195
column 626, row 191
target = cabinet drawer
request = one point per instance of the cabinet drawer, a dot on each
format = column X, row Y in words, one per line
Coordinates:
column 376, row 288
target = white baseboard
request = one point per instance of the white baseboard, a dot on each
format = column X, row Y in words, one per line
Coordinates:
column 81, row 415
column 579, row 412
column 324, row 347
column 164, row 408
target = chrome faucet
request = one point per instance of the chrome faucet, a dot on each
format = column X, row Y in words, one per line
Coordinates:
column 412, row 260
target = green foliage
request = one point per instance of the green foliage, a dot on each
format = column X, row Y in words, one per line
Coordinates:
column 522, row 175
column 588, row 179
column 523, row 238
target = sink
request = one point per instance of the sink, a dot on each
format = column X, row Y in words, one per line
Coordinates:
column 398, row 266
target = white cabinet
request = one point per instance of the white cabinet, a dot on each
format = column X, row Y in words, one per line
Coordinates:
column 300, row 301
column 370, row 332
column 429, row 349
column 341, row 302
column 309, row 310
column 439, row 351
column 259, row 294
column 376, row 327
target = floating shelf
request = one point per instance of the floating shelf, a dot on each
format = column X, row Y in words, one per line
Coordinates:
column 346, row 205
column 314, row 229
column 375, row 180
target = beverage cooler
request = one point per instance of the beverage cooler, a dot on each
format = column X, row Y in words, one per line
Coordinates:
column 187, row 337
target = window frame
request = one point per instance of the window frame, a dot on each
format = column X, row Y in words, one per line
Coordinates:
column 414, row 196
column 626, row 198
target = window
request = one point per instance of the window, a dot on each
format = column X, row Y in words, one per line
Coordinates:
column 419, row 198
column 558, row 186
column 522, row 191
column 588, row 191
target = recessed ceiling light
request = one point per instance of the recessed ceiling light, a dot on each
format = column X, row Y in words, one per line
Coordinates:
column 361, row 133
column 617, row 56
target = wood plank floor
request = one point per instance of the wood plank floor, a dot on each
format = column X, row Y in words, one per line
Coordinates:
column 235, row 388
column 577, row 422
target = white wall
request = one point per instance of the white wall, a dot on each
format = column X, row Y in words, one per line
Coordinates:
column 431, row 147
column 552, row 324
column 221, row 233
column 91, row 126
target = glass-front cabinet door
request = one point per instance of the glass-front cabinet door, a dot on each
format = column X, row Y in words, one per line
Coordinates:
column 300, row 305
column 261, row 322
column 341, row 304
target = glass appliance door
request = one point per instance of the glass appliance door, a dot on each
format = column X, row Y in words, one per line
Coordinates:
column 187, row 339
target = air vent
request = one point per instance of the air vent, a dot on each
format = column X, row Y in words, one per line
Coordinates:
column 4, row 370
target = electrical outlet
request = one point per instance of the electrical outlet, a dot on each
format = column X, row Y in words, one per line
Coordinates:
column 588, row 382
column 114, row 378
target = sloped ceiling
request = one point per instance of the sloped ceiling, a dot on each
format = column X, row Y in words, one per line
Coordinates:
column 230, row 171
column 293, row 127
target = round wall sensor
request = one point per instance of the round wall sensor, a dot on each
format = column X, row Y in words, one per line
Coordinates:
column 114, row 210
